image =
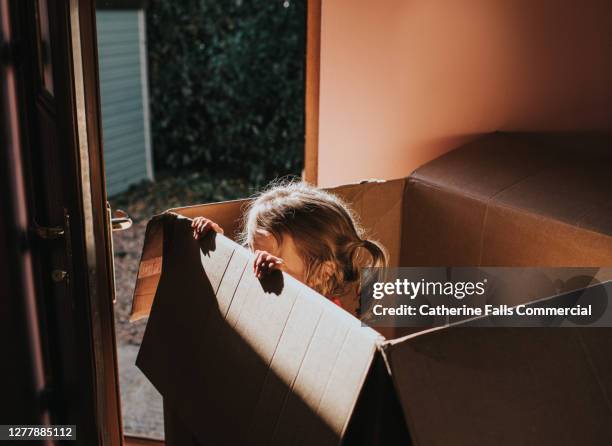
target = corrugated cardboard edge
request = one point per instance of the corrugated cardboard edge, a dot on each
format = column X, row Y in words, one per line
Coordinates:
column 378, row 345
column 603, row 277
column 149, row 267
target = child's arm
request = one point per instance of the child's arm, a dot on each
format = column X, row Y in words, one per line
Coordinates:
column 202, row 225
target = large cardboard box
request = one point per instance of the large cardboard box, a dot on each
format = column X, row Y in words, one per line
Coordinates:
column 242, row 361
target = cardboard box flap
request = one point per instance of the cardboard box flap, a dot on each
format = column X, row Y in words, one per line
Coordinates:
column 484, row 167
column 512, row 200
column 243, row 361
column 227, row 214
column 149, row 269
column 378, row 205
column 570, row 183
column 461, row 385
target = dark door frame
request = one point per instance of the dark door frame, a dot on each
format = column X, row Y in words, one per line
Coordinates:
column 70, row 334
column 313, row 63
column 96, row 219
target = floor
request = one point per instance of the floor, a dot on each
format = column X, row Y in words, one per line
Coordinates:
column 132, row 441
column 141, row 404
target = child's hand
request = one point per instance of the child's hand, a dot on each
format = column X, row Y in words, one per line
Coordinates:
column 265, row 263
column 202, row 226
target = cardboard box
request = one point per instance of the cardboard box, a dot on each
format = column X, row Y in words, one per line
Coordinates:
column 242, row 361
column 513, row 200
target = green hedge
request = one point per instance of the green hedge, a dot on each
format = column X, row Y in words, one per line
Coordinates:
column 227, row 86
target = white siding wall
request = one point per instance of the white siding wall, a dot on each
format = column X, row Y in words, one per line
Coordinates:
column 123, row 90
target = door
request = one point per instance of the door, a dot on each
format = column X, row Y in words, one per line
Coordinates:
column 68, row 220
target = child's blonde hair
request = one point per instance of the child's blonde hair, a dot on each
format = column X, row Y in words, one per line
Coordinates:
column 324, row 230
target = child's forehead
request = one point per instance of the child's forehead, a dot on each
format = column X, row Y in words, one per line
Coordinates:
column 264, row 240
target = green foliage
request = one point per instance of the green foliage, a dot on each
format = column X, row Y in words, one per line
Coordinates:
column 227, row 86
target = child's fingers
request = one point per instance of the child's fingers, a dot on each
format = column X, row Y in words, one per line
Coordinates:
column 211, row 225
column 257, row 263
column 273, row 263
column 264, row 262
column 195, row 224
column 261, row 266
column 202, row 225
column 199, row 228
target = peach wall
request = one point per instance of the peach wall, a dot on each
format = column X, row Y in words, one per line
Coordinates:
column 403, row 81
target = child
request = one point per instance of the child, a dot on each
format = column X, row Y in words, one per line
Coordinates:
column 310, row 234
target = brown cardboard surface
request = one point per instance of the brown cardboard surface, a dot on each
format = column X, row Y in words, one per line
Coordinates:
column 243, row 361
column 227, row 214
column 512, row 200
column 378, row 206
column 467, row 386
column 149, row 270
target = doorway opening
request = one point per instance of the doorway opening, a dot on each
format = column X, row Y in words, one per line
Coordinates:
column 201, row 101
